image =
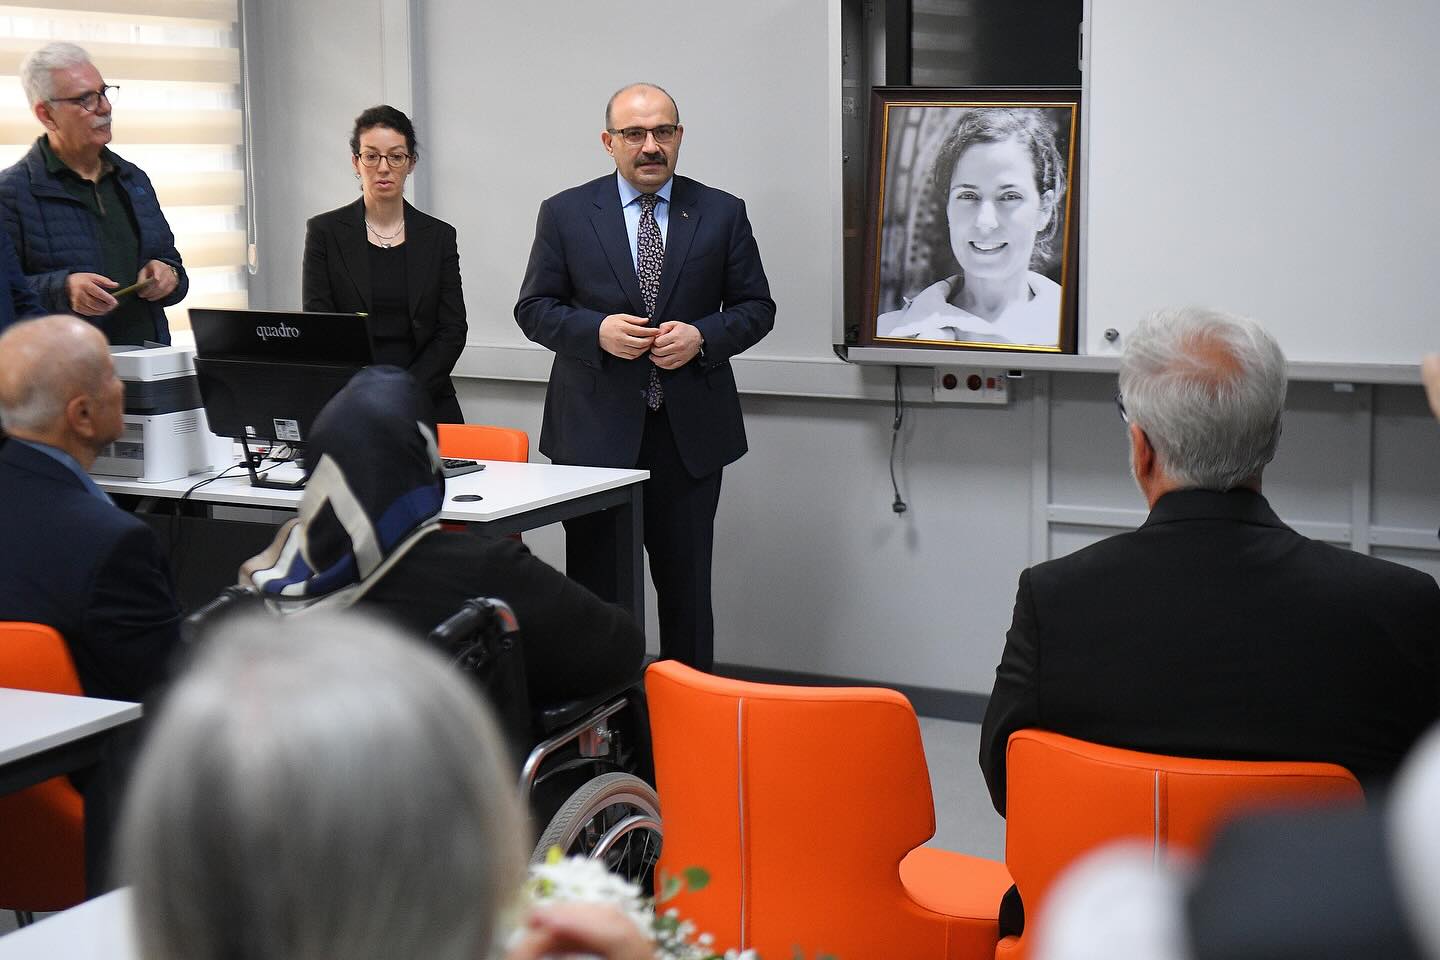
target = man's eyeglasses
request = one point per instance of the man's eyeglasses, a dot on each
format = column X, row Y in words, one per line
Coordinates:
column 396, row 159
column 90, row 102
column 1120, row 405
column 635, row 136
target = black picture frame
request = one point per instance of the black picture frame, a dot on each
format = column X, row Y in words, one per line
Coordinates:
column 918, row 261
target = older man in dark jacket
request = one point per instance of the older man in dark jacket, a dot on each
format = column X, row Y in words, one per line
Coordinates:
column 88, row 228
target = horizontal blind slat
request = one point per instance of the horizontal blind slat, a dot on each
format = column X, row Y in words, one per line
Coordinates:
column 223, row 11
column 140, row 126
column 139, row 61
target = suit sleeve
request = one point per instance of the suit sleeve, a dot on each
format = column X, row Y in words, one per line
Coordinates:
column 435, row 360
column 1014, row 700
column 132, row 619
column 545, row 310
column 746, row 313
column 315, row 295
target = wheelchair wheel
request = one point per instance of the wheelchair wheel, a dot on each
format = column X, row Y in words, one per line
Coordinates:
column 615, row 819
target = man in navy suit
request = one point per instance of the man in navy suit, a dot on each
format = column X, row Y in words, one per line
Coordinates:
column 645, row 284
column 72, row 559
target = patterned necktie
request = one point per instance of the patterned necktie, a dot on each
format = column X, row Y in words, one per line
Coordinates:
column 650, row 257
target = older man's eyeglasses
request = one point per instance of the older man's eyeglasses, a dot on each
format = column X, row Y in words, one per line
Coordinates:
column 1120, row 405
column 635, row 136
column 397, row 159
column 90, row 101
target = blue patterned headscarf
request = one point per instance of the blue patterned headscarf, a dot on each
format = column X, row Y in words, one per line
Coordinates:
column 374, row 487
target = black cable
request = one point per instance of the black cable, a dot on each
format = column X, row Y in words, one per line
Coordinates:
column 899, row 506
column 174, row 514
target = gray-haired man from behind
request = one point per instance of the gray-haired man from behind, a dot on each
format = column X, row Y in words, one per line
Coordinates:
column 1214, row 630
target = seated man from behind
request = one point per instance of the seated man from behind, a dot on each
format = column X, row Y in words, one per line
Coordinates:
column 1214, row 630
column 71, row 558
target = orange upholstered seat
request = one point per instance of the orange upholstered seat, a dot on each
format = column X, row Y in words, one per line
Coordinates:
column 808, row 806
column 42, row 829
column 1065, row 797
column 476, row 441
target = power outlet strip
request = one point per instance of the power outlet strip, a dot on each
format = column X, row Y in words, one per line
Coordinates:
column 970, row 385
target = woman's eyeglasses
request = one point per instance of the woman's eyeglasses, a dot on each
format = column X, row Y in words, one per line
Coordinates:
column 396, row 159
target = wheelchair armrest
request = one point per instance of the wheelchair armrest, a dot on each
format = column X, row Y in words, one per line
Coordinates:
column 553, row 717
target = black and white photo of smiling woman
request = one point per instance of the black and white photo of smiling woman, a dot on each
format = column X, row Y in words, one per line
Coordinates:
column 976, row 255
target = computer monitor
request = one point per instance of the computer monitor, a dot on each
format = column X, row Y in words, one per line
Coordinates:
column 265, row 375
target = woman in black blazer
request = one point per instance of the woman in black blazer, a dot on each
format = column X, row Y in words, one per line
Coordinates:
column 381, row 256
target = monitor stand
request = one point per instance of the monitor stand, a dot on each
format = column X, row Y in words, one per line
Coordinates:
column 256, row 480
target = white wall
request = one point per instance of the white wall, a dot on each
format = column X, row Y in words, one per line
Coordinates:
column 314, row 65
column 813, row 570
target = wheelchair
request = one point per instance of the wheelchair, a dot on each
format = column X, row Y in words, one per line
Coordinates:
column 586, row 771
column 584, row 766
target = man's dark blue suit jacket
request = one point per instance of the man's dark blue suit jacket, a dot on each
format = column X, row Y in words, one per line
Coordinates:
column 88, row 569
column 581, row 271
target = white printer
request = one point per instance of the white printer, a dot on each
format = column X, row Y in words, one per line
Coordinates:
column 166, row 436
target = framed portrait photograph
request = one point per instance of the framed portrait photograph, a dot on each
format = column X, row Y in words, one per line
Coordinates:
column 974, row 219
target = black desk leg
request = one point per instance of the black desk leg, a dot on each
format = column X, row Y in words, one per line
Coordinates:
column 629, row 521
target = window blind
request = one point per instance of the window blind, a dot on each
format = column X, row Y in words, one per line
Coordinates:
column 177, row 114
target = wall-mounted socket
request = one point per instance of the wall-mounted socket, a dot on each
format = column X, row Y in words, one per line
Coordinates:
column 970, row 385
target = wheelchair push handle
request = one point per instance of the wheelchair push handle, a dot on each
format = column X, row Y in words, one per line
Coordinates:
column 225, row 602
column 476, row 614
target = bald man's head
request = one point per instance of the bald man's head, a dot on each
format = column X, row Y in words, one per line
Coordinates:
column 45, row 366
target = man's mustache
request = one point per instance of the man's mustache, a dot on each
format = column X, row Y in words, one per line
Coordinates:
column 652, row 158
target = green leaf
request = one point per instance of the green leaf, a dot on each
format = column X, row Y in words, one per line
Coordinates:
column 697, row 878
column 670, row 888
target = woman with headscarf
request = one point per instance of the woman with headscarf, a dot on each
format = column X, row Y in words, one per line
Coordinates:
column 368, row 535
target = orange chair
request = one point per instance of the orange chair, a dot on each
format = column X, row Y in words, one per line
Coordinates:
column 476, row 441
column 1064, row 797
column 807, row 806
column 42, row 846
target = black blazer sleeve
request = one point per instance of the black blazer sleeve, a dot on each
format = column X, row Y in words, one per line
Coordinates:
column 1014, row 700
column 437, row 356
column 132, row 621
column 315, row 293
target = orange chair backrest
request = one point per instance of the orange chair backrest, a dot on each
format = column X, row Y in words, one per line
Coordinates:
column 42, row 828
column 800, row 802
column 475, row 441
column 34, row 657
column 1067, row 796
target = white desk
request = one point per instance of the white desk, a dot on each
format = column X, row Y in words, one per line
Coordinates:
column 514, row 497
column 43, row 735
column 99, row 929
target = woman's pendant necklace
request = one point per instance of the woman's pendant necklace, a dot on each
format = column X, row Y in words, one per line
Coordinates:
column 386, row 240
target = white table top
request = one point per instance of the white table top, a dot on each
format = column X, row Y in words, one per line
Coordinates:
column 99, row 929
column 32, row 722
column 507, row 488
